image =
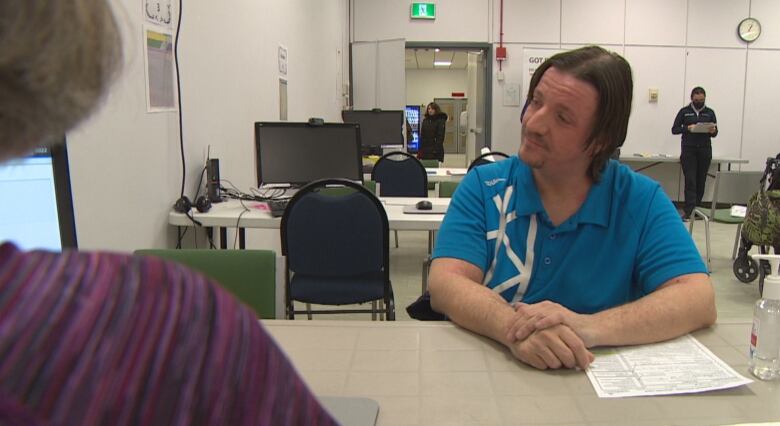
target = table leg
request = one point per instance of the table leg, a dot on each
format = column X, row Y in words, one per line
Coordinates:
column 223, row 238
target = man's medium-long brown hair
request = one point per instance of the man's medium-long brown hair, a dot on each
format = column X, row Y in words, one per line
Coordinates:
column 610, row 75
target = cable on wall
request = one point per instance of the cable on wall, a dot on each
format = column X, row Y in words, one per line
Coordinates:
column 178, row 98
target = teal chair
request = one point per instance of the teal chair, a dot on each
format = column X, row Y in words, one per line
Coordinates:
column 370, row 185
column 430, row 164
column 250, row 275
column 446, row 189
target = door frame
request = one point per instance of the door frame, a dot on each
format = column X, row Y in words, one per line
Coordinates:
column 488, row 86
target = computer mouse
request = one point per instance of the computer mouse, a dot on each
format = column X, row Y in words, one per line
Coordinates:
column 424, row 205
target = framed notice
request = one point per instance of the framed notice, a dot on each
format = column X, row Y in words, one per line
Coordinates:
column 158, row 12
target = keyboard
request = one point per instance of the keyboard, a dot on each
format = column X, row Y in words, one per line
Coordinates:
column 277, row 206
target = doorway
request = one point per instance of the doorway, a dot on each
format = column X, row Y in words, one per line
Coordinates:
column 456, row 77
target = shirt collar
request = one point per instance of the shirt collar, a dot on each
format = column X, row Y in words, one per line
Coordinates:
column 595, row 209
column 598, row 204
column 527, row 199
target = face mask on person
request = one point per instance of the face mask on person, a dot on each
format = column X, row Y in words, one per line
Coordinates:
column 698, row 105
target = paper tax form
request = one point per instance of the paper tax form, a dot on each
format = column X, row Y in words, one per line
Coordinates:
column 682, row 365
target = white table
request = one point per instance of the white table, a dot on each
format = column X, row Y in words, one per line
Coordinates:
column 667, row 171
column 656, row 159
column 233, row 214
column 446, row 174
column 437, row 174
column 436, row 373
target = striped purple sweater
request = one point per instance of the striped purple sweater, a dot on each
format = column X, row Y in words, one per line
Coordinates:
column 96, row 338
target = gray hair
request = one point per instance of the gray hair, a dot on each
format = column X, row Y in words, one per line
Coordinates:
column 57, row 57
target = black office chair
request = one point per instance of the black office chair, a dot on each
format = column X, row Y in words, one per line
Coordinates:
column 487, row 158
column 400, row 174
column 336, row 248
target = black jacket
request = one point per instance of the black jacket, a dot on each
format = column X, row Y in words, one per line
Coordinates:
column 688, row 116
column 432, row 136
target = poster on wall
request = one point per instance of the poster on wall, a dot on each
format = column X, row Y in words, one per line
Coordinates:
column 158, row 56
column 158, row 12
column 282, row 99
column 532, row 58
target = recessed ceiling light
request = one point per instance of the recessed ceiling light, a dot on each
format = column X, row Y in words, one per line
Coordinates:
column 442, row 63
column 437, row 50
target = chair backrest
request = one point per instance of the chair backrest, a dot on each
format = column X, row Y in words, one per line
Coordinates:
column 430, row 164
column 399, row 174
column 250, row 275
column 327, row 232
column 733, row 187
column 487, row 158
column 446, row 189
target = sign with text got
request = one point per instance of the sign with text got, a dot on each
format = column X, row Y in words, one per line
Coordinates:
column 423, row 11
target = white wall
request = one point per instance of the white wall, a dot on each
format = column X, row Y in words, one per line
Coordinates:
column 125, row 163
column 424, row 85
column 456, row 20
column 672, row 45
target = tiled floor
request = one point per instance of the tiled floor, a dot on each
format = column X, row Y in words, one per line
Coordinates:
column 734, row 299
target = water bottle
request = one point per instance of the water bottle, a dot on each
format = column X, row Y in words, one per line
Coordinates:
column 765, row 336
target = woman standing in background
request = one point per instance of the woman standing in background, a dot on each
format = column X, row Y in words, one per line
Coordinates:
column 432, row 134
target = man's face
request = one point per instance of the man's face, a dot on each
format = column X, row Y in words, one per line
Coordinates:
column 698, row 100
column 557, row 124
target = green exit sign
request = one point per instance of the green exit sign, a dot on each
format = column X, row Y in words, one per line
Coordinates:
column 423, row 10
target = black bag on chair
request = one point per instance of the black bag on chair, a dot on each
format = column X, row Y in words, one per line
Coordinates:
column 421, row 309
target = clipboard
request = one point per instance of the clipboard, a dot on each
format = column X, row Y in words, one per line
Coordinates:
column 702, row 127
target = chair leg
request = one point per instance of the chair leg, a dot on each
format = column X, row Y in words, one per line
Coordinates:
column 396, row 238
column 290, row 311
column 308, row 311
column 426, row 265
column 427, row 262
column 736, row 242
column 706, row 219
column 381, row 310
column 389, row 308
column 373, row 310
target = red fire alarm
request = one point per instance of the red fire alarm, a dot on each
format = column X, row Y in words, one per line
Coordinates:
column 501, row 53
column 458, row 94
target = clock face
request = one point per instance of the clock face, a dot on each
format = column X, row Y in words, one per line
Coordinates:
column 749, row 29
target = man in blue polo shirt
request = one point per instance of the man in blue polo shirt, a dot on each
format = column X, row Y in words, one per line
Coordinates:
column 562, row 249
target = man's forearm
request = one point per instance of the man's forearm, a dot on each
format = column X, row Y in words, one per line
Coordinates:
column 468, row 303
column 678, row 307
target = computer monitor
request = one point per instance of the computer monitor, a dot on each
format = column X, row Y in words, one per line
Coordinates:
column 39, row 212
column 378, row 128
column 299, row 153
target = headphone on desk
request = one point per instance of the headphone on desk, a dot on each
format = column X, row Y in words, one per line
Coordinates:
column 183, row 204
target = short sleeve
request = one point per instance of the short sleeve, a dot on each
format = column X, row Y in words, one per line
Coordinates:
column 666, row 249
column 462, row 234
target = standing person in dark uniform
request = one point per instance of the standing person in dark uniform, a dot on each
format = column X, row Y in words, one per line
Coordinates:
column 432, row 134
column 696, row 147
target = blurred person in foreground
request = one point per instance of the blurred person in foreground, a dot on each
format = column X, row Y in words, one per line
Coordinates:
column 98, row 338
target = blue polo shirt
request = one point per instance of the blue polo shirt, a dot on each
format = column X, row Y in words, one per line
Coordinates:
column 624, row 242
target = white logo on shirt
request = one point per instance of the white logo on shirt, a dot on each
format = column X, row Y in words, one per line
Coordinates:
column 494, row 181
